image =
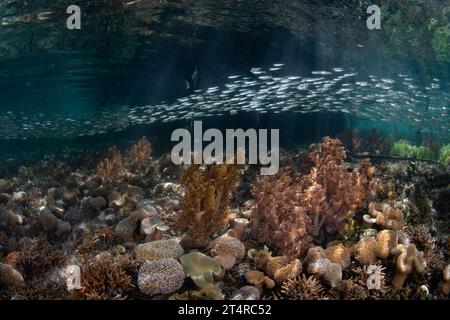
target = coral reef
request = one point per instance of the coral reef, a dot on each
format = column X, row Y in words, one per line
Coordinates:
column 337, row 228
column 105, row 277
column 227, row 251
column 200, row 268
column 206, row 201
column 259, row 280
column 160, row 277
column 383, row 215
column 289, row 214
column 409, row 259
column 112, row 168
column 301, row 288
column 319, row 264
column 157, row 250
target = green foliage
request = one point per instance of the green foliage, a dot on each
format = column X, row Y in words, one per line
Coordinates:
column 402, row 148
column 444, row 154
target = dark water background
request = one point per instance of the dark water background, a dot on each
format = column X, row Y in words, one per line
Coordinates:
column 140, row 54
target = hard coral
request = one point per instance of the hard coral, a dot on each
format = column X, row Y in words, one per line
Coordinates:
column 160, row 277
column 228, row 250
column 157, row 250
column 301, row 288
column 206, row 200
column 246, row 293
column 105, row 277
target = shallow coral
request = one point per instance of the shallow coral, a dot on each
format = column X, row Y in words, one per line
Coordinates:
column 200, row 268
column 409, row 259
column 105, row 277
column 290, row 213
column 384, row 215
column 246, row 293
column 112, row 169
column 206, row 201
column 259, row 280
column 227, row 250
column 9, row 276
column 157, row 250
column 160, row 277
column 140, row 152
column 301, row 288
column 318, row 264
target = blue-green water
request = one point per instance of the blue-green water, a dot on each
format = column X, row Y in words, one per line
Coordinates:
column 259, row 63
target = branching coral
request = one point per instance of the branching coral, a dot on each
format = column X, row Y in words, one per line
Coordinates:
column 112, row 169
column 290, row 213
column 106, row 277
column 301, row 288
column 206, row 201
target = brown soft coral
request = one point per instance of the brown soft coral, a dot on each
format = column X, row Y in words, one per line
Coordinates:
column 290, row 213
column 408, row 259
column 140, row 152
column 279, row 221
column 206, row 201
column 112, row 168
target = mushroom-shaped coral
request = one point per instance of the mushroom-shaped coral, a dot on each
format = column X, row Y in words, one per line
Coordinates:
column 408, row 259
column 200, row 268
column 320, row 265
column 283, row 268
column 339, row 254
column 160, row 277
column 246, row 293
column 444, row 286
column 366, row 250
column 9, row 276
column 157, row 250
column 259, row 280
column 228, row 250
column 385, row 216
